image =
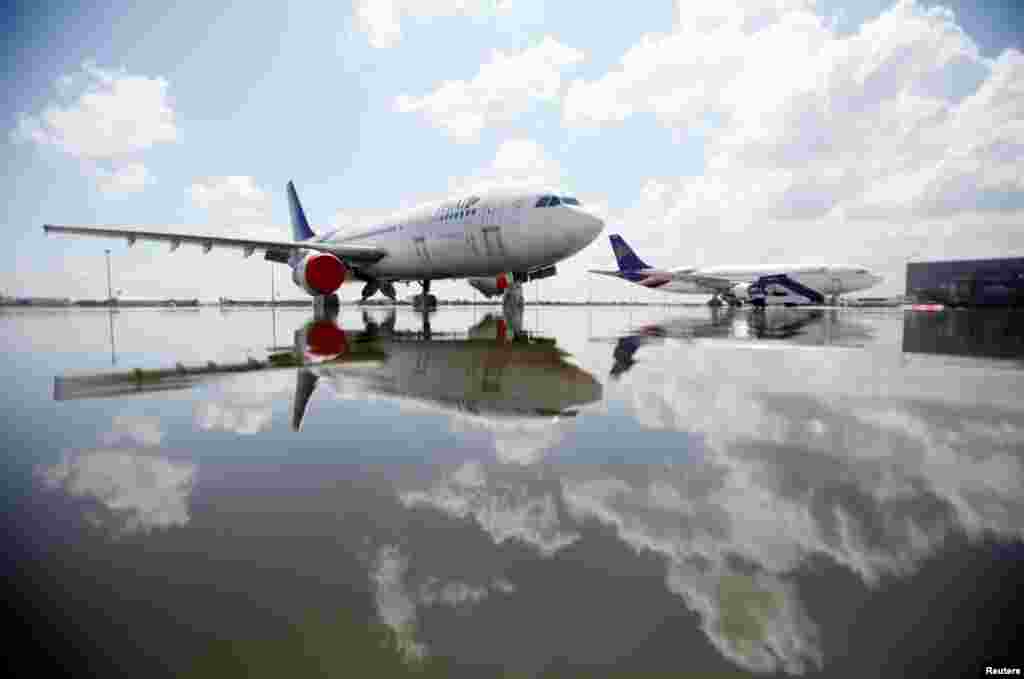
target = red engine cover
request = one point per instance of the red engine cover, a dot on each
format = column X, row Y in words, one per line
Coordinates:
column 502, row 281
column 324, row 273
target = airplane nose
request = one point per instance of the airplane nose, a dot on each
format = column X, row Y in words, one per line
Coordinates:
column 591, row 228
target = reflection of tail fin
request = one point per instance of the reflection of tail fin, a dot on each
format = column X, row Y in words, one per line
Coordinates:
column 624, row 255
column 300, row 227
column 623, row 354
column 305, row 384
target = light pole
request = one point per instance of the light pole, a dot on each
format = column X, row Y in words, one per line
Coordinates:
column 110, row 293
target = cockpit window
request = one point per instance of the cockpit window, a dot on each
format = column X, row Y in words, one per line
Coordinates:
column 549, row 201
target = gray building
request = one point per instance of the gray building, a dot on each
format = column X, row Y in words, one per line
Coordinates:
column 967, row 282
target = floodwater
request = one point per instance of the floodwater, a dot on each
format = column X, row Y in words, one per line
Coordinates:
column 580, row 492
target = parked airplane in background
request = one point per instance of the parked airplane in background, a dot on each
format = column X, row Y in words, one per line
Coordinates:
column 758, row 285
column 498, row 239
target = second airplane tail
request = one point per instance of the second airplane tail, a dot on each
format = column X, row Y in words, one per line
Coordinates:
column 624, row 255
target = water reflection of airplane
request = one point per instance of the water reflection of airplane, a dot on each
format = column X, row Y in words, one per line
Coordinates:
column 802, row 327
column 494, row 369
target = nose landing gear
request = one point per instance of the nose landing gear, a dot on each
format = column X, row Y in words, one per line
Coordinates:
column 513, row 299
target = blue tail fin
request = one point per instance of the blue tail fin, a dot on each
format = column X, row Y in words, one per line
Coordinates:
column 300, row 227
column 627, row 259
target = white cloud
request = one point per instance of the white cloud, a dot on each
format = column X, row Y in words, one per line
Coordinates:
column 859, row 146
column 503, row 505
column 517, row 163
column 245, row 403
column 381, row 20
column 230, row 199
column 143, row 491
column 503, row 90
column 129, row 178
column 142, row 430
column 395, row 605
column 114, row 120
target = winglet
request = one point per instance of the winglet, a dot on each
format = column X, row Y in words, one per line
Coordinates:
column 300, row 227
column 624, row 255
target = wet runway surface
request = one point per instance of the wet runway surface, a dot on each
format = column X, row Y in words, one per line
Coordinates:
column 579, row 492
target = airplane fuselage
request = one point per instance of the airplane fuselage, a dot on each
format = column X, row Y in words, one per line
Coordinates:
column 826, row 279
column 483, row 235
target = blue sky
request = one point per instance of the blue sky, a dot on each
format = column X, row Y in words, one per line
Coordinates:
column 708, row 143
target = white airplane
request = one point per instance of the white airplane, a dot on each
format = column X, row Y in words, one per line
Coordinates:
column 758, row 285
column 497, row 239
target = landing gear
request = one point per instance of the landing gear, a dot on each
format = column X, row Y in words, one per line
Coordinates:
column 373, row 287
column 514, row 318
column 715, row 302
column 513, row 299
column 369, row 290
column 326, row 306
column 426, row 301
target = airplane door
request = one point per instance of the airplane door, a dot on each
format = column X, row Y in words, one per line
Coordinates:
column 513, row 213
column 837, row 286
column 489, row 243
column 493, row 245
column 422, row 253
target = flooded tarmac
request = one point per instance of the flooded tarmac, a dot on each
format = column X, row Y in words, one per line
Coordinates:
column 580, row 492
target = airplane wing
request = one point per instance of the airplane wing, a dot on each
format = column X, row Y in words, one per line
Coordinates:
column 352, row 253
column 607, row 272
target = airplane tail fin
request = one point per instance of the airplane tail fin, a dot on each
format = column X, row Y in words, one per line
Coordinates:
column 300, row 227
column 624, row 255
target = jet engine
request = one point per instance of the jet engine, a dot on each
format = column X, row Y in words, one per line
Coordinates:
column 491, row 285
column 320, row 273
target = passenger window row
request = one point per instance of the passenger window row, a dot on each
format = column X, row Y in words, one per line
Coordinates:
column 464, row 208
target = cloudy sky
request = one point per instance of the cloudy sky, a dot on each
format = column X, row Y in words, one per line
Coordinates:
column 760, row 131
